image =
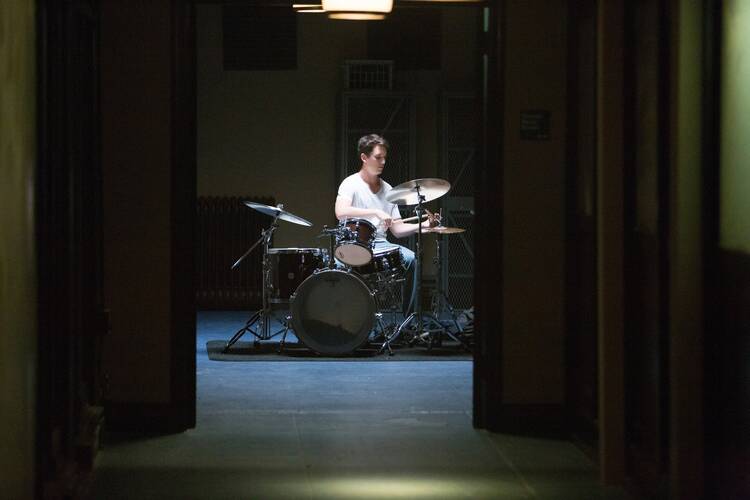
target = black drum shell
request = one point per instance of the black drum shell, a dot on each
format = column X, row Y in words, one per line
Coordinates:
column 288, row 268
column 388, row 261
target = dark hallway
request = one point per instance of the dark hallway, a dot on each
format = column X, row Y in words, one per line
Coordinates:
column 596, row 154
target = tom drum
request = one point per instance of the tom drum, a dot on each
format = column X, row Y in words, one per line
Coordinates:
column 355, row 241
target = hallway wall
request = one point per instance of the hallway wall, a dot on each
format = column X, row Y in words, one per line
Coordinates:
column 534, row 204
column 136, row 163
column 727, row 346
column 17, row 248
column 735, row 122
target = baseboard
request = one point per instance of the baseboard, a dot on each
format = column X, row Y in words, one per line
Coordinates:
column 144, row 417
column 547, row 420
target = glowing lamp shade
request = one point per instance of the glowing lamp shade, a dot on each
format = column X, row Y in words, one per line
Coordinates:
column 359, row 10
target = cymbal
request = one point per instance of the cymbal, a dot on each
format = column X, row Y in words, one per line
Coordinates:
column 443, row 230
column 406, row 193
column 278, row 212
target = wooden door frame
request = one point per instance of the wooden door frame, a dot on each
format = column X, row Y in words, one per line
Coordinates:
column 183, row 215
column 487, row 392
column 487, row 351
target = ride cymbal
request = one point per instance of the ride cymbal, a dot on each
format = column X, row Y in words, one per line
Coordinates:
column 408, row 193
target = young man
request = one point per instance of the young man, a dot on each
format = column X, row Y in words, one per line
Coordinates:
column 363, row 195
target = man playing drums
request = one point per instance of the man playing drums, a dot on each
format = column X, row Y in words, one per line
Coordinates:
column 363, row 196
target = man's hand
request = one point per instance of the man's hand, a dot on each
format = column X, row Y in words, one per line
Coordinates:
column 386, row 218
column 433, row 219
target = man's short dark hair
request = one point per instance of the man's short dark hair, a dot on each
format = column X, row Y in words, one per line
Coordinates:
column 368, row 142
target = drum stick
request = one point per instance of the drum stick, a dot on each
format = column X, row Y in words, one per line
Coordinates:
column 409, row 219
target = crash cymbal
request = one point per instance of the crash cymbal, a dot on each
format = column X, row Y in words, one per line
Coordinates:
column 408, row 192
column 278, row 212
column 443, row 230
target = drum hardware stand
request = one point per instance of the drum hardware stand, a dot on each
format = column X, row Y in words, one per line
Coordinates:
column 418, row 317
column 381, row 326
column 332, row 233
column 439, row 298
column 282, row 343
column 386, row 286
column 263, row 316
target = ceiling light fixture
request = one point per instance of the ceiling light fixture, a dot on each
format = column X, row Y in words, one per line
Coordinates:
column 358, row 10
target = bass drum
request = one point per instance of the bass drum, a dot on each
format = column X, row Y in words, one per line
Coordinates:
column 333, row 312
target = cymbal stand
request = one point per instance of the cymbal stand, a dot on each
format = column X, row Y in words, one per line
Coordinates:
column 332, row 234
column 263, row 316
column 418, row 318
column 439, row 298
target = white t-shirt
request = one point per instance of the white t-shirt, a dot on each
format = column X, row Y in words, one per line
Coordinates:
column 356, row 189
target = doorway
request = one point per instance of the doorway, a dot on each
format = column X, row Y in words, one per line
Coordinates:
column 278, row 124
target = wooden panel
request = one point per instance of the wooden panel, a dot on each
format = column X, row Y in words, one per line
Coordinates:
column 609, row 217
column 581, row 314
column 68, row 215
column 646, row 277
column 533, row 205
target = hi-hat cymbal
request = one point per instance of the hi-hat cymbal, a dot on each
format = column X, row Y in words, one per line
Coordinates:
column 443, row 230
column 408, row 193
column 278, row 212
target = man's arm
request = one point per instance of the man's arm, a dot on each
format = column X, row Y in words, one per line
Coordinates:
column 403, row 229
column 345, row 209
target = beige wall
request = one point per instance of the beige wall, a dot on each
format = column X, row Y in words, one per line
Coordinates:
column 534, row 205
column 17, row 252
column 735, row 123
column 136, row 163
column 274, row 133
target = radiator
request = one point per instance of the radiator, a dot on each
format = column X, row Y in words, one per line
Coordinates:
column 225, row 229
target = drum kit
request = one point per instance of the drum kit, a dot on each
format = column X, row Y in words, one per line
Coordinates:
column 335, row 296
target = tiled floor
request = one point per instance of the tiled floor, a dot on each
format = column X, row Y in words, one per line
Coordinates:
column 329, row 430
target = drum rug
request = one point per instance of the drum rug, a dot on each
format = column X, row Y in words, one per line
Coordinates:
column 269, row 351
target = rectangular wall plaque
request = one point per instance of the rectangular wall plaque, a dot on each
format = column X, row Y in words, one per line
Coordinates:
column 535, row 125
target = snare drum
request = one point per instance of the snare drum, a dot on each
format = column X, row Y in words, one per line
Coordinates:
column 355, row 241
column 385, row 263
column 288, row 268
column 333, row 312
